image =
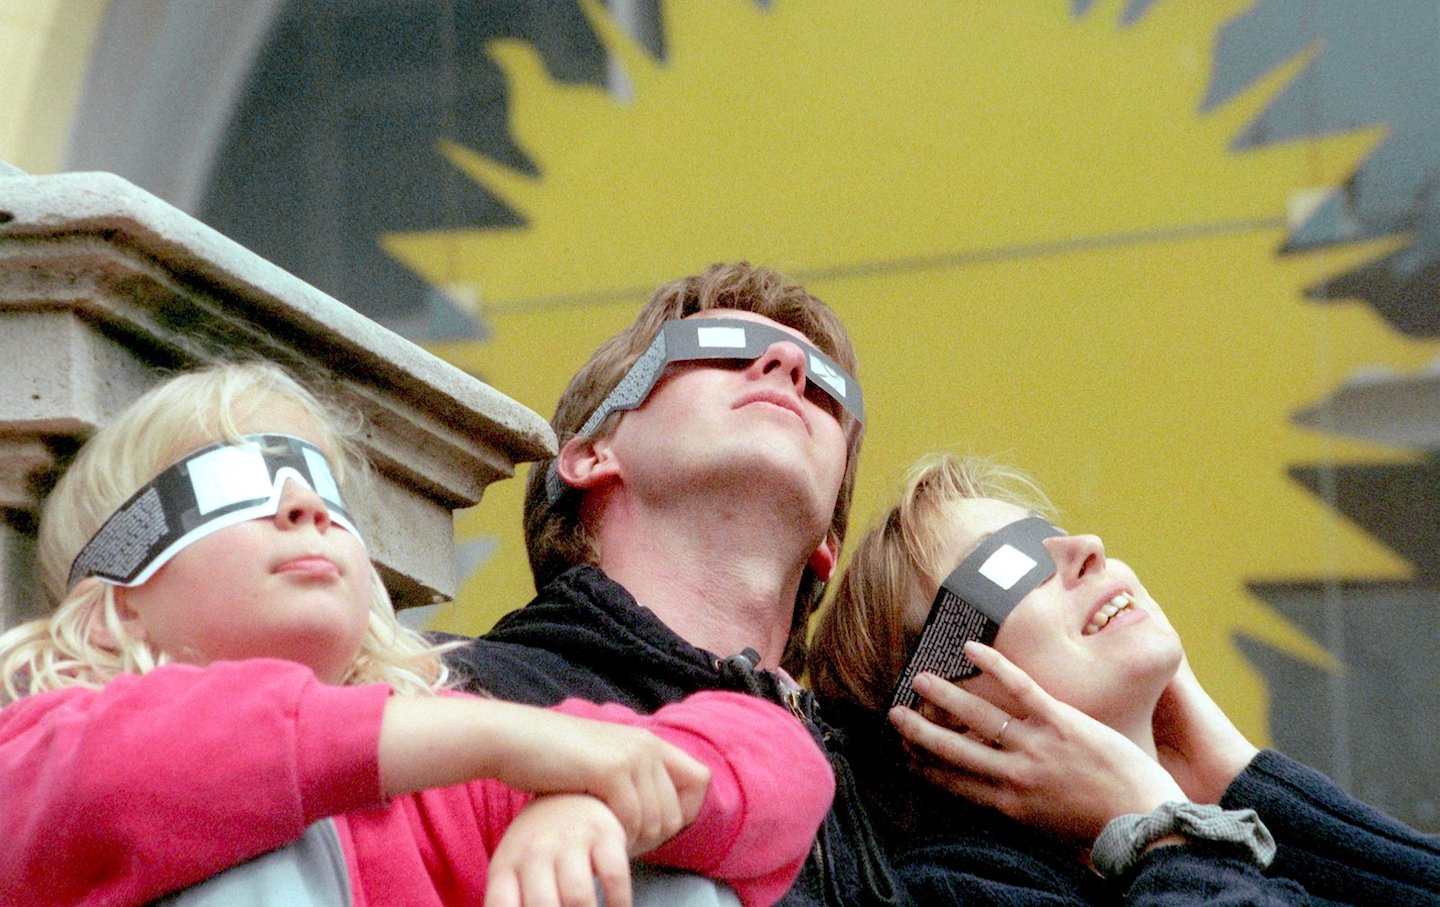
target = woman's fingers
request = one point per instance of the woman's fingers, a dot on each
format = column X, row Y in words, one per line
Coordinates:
column 948, row 706
column 994, row 712
column 1057, row 769
column 975, row 788
column 964, row 751
column 961, row 710
column 958, row 763
column 1020, row 695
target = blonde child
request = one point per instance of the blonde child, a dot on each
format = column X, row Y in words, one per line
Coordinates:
column 224, row 670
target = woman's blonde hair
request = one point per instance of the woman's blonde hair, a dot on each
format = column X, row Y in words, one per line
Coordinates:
column 864, row 639
column 181, row 414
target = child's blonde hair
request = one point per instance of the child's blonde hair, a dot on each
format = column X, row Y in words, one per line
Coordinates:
column 181, row 414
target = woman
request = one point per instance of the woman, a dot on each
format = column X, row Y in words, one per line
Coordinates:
column 1084, row 717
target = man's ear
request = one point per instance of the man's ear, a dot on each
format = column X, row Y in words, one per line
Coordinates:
column 586, row 462
column 822, row 562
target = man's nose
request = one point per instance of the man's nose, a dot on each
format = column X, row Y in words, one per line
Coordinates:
column 786, row 358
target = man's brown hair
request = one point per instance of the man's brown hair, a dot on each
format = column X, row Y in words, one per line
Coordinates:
column 555, row 534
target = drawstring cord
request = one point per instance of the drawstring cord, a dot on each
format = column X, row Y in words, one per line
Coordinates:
column 847, row 818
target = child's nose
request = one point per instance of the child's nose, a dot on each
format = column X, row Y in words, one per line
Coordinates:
column 300, row 505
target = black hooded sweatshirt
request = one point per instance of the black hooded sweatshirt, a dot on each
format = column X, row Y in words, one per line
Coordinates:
column 585, row 636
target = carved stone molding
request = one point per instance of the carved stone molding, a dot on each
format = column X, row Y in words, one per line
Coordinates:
column 104, row 288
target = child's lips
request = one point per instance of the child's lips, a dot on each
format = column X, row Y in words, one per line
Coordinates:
column 313, row 565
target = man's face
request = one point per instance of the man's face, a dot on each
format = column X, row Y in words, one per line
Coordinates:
column 738, row 428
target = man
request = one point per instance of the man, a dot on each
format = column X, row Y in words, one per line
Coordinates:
column 681, row 538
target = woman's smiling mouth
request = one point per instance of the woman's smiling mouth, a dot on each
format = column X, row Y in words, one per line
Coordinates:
column 1123, row 601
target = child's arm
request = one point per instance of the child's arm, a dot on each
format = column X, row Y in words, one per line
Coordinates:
column 158, row 781
column 654, row 788
column 558, row 849
column 770, row 787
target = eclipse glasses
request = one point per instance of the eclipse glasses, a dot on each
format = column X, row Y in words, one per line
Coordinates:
column 688, row 339
column 975, row 599
column 208, row 490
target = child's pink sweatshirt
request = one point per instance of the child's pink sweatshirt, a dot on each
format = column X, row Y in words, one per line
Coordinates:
column 120, row 795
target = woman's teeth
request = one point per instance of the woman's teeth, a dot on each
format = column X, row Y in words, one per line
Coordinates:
column 1121, row 602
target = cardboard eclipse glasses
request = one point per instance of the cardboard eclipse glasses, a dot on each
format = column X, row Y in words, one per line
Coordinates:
column 208, row 490
column 975, row 599
column 688, row 339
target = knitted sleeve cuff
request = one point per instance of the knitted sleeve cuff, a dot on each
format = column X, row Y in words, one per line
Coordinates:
column 1237, row 831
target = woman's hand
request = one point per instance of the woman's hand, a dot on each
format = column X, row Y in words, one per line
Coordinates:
column 652, row 787
column 1197, row 742
column 1053, row 766
column 556, row 851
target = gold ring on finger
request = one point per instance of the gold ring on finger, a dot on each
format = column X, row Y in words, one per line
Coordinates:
column 998, row 741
